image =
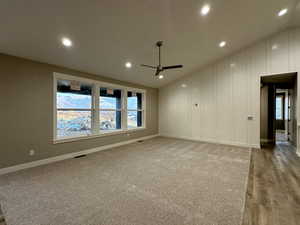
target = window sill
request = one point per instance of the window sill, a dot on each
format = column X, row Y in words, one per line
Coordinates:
column 108, row 133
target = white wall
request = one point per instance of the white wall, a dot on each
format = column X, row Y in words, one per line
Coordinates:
column 264, row 112
column 227, row 92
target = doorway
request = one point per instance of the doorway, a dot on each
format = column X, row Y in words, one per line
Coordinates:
column 278, row 108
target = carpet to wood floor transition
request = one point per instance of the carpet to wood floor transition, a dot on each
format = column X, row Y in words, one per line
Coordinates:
column 161, row 181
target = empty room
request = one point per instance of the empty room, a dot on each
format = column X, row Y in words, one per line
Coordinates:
column 148, row 112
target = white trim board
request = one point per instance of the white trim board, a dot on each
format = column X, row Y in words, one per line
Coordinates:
column 93, row 81
column 238, row 144
column 69, row 156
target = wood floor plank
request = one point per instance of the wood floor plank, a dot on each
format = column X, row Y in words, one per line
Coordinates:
column 273, row 193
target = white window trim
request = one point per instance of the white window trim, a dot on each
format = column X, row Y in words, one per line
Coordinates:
column 96, row 109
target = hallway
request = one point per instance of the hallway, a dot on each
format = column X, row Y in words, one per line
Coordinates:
column 281, row 136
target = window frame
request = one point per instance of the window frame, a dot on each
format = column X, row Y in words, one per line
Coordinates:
column 75, row 110
column 95, row 108
column 142, row 110
column 111, row 110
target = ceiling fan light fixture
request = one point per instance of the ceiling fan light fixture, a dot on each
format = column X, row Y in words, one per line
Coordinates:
column 159, row 68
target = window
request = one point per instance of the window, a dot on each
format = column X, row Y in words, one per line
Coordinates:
column 279, row 107
column 110, row 109
column 134, row 109
column 86, row 108
column 74, row 107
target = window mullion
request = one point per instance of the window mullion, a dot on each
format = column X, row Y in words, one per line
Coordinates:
column 95, row 110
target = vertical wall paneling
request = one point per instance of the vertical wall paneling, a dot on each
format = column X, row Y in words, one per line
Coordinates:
column 227, row 92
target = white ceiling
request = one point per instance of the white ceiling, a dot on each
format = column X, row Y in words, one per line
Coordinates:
column 108, row 33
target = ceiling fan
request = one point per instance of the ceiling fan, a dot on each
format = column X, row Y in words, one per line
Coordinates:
column 161, row 68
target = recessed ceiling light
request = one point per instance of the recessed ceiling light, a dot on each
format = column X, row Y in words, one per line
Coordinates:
column 205, row 10
column 161, row 77
column 184, row 85
column 274, row 47
column 66, row 42
column 282, row 12
column 128, row 65
column 222, row 44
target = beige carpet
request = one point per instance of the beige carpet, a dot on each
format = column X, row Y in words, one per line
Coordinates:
column 160, row 181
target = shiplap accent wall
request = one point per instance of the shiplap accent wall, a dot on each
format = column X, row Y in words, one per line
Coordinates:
column 226, row 93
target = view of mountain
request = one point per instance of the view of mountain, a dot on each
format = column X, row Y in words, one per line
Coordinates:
column 77, row 101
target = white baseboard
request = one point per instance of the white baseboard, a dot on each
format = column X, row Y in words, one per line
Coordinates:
column 238, row 144
column 68, row 156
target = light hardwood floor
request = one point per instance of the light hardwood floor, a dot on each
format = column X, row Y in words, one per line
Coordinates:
column 273, row 195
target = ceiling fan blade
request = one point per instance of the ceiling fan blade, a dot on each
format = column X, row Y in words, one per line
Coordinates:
column 153, row 67
column 172, row 67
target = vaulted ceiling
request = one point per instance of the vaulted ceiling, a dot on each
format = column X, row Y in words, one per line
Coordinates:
column 108, row 33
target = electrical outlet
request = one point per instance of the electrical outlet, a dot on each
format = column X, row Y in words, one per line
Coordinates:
column 250, row 117
column 31, row 152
